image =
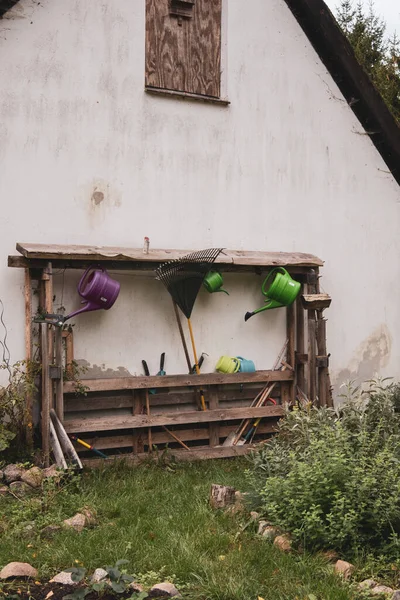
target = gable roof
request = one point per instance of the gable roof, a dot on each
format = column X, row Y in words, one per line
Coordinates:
column 335, row 51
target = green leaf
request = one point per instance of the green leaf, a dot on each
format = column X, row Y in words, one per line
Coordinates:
column 79, row 594
column 127, row 578
column 77, row 573
column 99, row 587
column 119, row 588
column 114, row 573
column 123, row 561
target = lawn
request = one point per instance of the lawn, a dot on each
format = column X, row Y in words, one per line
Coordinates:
column 158, row 518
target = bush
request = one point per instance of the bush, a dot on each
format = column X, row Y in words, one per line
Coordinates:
column 332, row 478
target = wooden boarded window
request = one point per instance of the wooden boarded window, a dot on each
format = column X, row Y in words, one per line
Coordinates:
column 183, row 46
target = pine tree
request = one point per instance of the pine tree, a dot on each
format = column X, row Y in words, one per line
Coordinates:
column 379, row 56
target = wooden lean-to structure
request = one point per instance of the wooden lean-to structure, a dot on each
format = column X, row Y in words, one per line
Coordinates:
column 112, row 416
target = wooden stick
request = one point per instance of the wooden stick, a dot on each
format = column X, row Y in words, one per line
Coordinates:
column 28, row 355
column 46, row 386
column 176, row 438
column 203, row 403
column 185, row 348
column 300, row 341
column 149, row 429
column 312, row 363
column 59, row 383
column 48, row 306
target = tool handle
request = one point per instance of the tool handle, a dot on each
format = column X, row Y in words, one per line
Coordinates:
column 145, row 368
column 162, row 361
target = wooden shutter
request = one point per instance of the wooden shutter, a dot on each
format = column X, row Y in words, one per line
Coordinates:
column 183, row 46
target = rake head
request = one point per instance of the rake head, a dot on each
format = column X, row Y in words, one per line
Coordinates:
column 184, row 276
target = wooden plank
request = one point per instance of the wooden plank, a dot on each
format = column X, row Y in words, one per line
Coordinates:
column 28, row 355
column 213, row 404
column 138, row 421
column 46, row 401
column 169, row 381
column 184, row 54
column 312, row 365
column 121, row 254
column 161, row 437
column 300, row 346
column 186, row 96
column 290, row 349
column 68, row 337
column 58, row 383
column 199, row 453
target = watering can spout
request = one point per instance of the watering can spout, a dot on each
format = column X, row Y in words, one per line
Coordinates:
column 269, row 304
column 248, row 315
column 86, row 308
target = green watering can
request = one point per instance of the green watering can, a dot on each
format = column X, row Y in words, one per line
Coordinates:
column 213, row 282
column 279, row 289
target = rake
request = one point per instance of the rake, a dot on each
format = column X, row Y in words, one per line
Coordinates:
column 183, row 279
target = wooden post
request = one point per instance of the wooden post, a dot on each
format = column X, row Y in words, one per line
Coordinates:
column 48, row 305
column 213, row 427
column 290, row 350
column 69, row 351
column 312, row 362
column 58, row 383
column 46, row 390
column 324, row 386
column 28, row 356
column 137, row 406
column 300, row 344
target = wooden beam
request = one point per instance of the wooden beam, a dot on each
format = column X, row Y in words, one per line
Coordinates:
column 58, row 383
column 28, row 355
column 161, row 437
column 205, row 453
column 109, row 423
column 46, row 399
column 121, row 254
column 169, row 381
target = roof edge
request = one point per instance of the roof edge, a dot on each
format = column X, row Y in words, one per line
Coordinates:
column 6, row 5
column 337, row 54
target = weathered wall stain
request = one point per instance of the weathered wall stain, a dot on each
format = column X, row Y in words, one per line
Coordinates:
column 100, row 371
column 371, row 356
column 97, row 197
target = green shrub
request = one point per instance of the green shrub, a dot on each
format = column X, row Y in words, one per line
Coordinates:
column 332, row 478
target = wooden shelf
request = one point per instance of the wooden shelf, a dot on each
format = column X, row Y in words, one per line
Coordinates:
column 154, row 381
column 37, row 255
column 82, row 424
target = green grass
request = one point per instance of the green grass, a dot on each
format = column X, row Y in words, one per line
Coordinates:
column 160, row 521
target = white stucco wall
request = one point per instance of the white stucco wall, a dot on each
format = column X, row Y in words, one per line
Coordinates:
column 285, row 167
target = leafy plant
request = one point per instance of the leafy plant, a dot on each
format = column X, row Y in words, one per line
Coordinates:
column 332, row 478
column 14, row 418
column 117, row 581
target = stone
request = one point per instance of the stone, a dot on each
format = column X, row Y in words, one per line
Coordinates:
column 64, row 578
column 254, row 515
column 51, row 471
column 343, row 568
column 283, row 543
column 18, row 569
column 76, row 522
column 136, row 587
column 261, row 526
column 33, row 477
column 48, row 532
column 19, row 488
column 29, row 531
column 99, row 575
column 3, row 490
column 367, row 584
column 270, row 532
column 12, row 473
column 381, row 589
column 164, row 590
column 396, row 595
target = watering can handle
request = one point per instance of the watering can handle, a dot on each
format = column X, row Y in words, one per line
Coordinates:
column 269, row 275
column 84, row 277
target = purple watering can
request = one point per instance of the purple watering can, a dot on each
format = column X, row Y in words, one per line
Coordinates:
column 97, row 289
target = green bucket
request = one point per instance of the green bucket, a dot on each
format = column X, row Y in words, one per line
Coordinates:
column 279, row 289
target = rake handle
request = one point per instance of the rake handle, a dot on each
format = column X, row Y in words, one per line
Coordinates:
column 203, row 402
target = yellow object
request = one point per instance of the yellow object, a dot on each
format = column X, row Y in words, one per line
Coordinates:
column 228, row 364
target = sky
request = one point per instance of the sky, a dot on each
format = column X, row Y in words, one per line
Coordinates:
column 389, row 10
